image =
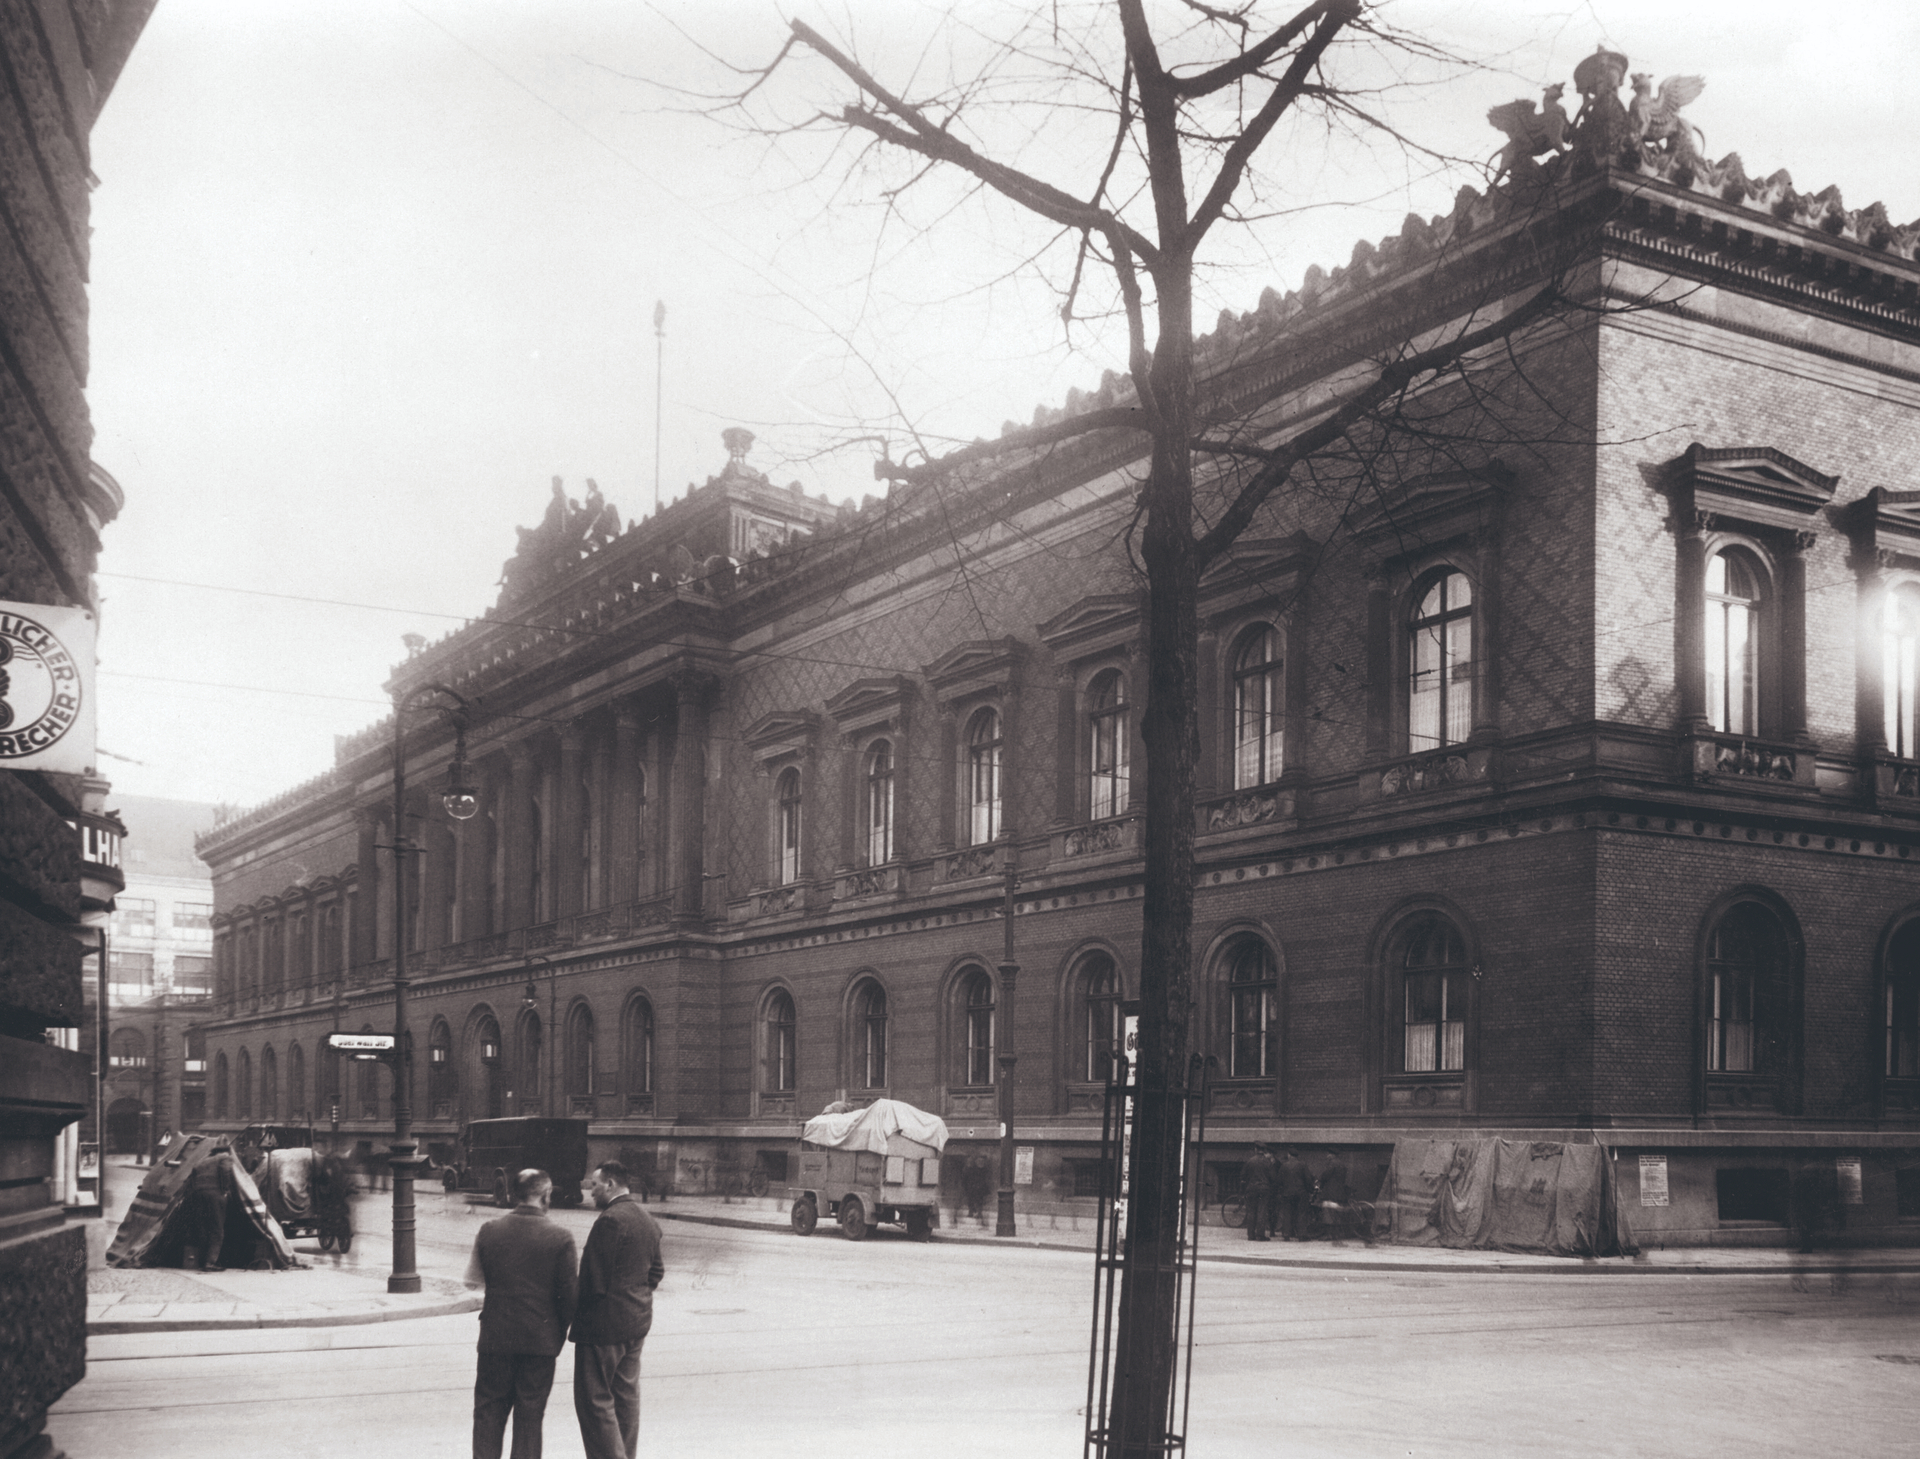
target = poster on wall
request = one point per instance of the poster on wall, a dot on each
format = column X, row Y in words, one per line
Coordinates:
column 1023, row 1165
column 1848, row 1169
column 1653, row 1180
column 46, row 688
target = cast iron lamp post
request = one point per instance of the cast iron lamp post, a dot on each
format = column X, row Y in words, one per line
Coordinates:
column 461, row 801
column 549, row 1041
column 1009, row 977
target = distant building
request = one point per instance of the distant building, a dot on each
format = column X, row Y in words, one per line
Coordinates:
column 159, row 977
column 1556, row 783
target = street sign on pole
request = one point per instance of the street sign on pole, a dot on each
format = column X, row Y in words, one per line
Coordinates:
column 361, row 1043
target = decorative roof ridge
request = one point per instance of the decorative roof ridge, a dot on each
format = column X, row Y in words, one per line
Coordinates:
column 258, row 814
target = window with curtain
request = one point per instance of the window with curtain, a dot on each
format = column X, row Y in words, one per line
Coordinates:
column 1900, row 674
column 1253, row 995
column 580, row 1051
column 777, row 1068
column 1107, row 742
column 787, row 828
column 879, row 816
column 976, row 1019
column 1099, row 1017
column 1258, row 707
column 1433, row 977
column 1440, row 665
column 1746, row 973
column 984, row 749
column 637, row 1049
column 1903, row 1003
column 1733, row 642
column 870, row 1035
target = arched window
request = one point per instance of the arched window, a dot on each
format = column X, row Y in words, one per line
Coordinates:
column 1440, row 664
column 1253, row 998
column 581, row 1070
column 983, row 777
column 1733, row 642
column 1903, row 1003
column 221, row 1092
column 243, row 1086
column 870, row 1035
column 976, row 1022
column 637, row 1048
column 127, row 1050
column 492, row 1073
column 440, row 1070
column 1900, row 675
column 333, row 1104
column 787, row 828
column 330, row 943
column 1107, row 742
column 1099, row 1021
column 532, row 1085
column 879, row 818
column 1259, row 704
column 777, row 1072
column 269, row 1084
column 1747, row 1005
column 297, row 1105
column 1433, row 979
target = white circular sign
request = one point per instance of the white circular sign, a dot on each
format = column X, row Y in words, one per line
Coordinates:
column 39, row 687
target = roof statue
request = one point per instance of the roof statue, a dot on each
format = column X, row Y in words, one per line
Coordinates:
column 1529, row 134
column 1601, row 126
column 1656, row 119
column 567, row 532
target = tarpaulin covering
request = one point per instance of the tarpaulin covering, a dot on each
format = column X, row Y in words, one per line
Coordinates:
column 154, row 1230
column 871, row 1128
column 1505, row 1195
column 285, row 1179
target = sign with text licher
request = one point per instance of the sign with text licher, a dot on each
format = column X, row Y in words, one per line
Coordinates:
column 361, row 1043
column 46, row 688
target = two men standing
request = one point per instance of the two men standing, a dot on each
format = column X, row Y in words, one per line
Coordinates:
column 536, row 1290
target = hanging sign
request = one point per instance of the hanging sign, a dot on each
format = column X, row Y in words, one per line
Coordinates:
column 46, row 688
column 361, row 1043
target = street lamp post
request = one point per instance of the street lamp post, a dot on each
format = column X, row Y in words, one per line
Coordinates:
column 550, row 1050
column 461, row 802
column 1009, row 979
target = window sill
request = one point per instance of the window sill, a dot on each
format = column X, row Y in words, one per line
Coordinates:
column 979, row 1100
column 1410, row 1094
column 1235, row 1096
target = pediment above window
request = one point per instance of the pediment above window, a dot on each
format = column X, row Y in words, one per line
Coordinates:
column 1255, row 571
column 979, row 666
column 1755, row 485
column 1431, row 511
column 1885, row 523
column 871, row 704
column 1097, row 625
column 781, row 735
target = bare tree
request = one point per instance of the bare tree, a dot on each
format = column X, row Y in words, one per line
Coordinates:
column 1186, row 142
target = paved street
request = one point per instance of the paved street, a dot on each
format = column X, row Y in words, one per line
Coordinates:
column 765, row 1343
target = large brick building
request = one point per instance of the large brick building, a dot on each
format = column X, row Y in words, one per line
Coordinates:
column 1558, row 756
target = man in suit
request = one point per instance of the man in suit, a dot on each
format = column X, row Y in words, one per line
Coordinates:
column 618, row 1271
column 1257, row 1178
column 527, row 1265
column 1296, row 1187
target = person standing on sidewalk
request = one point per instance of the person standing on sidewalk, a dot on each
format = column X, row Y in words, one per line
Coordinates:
column 527, row 1264
column 1257, row 1179
column 618, row 1272
column 1294, row 1191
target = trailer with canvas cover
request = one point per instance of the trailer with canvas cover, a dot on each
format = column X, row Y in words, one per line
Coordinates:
column 871, row 1165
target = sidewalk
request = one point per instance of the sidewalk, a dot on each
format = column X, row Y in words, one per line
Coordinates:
column 166, row 1299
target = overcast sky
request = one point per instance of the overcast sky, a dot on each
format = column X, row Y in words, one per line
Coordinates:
column 366, row 275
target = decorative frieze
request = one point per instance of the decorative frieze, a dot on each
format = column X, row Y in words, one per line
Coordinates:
column 969, row 862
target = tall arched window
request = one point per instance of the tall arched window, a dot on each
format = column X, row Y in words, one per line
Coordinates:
column 977, row 1015
column 787, row 828
column 581, row 1070
column 297, row 1105
column 879, row 816
column 492, row 1075
column 1900, row 675
column 1108, row 734
column 1259, row 705
column 1747, row 1004
column 637, row 1049
column 333, row 1102
column 870, row 1035
column 1733, row 642
column 777, row 1071
column 440, row 1074
column 243, row 1086
column 269, row 1084
column 222, row 1094
column 1433, row 971
column 1440, row 664
column 1903, row 1003
column 1253, row 997
column 984, row 749
column 1099, row 1021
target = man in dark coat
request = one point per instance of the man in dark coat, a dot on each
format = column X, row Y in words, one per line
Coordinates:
column 1295, row 1190
column 618, row 1272
column 527, row 1264
column 1335, row 1192
column 1257, row 1179
column 208, row 1188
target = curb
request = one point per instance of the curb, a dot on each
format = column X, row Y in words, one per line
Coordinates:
column 107, row 1327
column 1573, row 1266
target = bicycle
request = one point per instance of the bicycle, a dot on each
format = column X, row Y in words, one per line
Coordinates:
column 743, row 1183
column 1233, row 1212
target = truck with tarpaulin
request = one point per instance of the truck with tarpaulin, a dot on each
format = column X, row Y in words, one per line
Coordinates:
column 871, row 1165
